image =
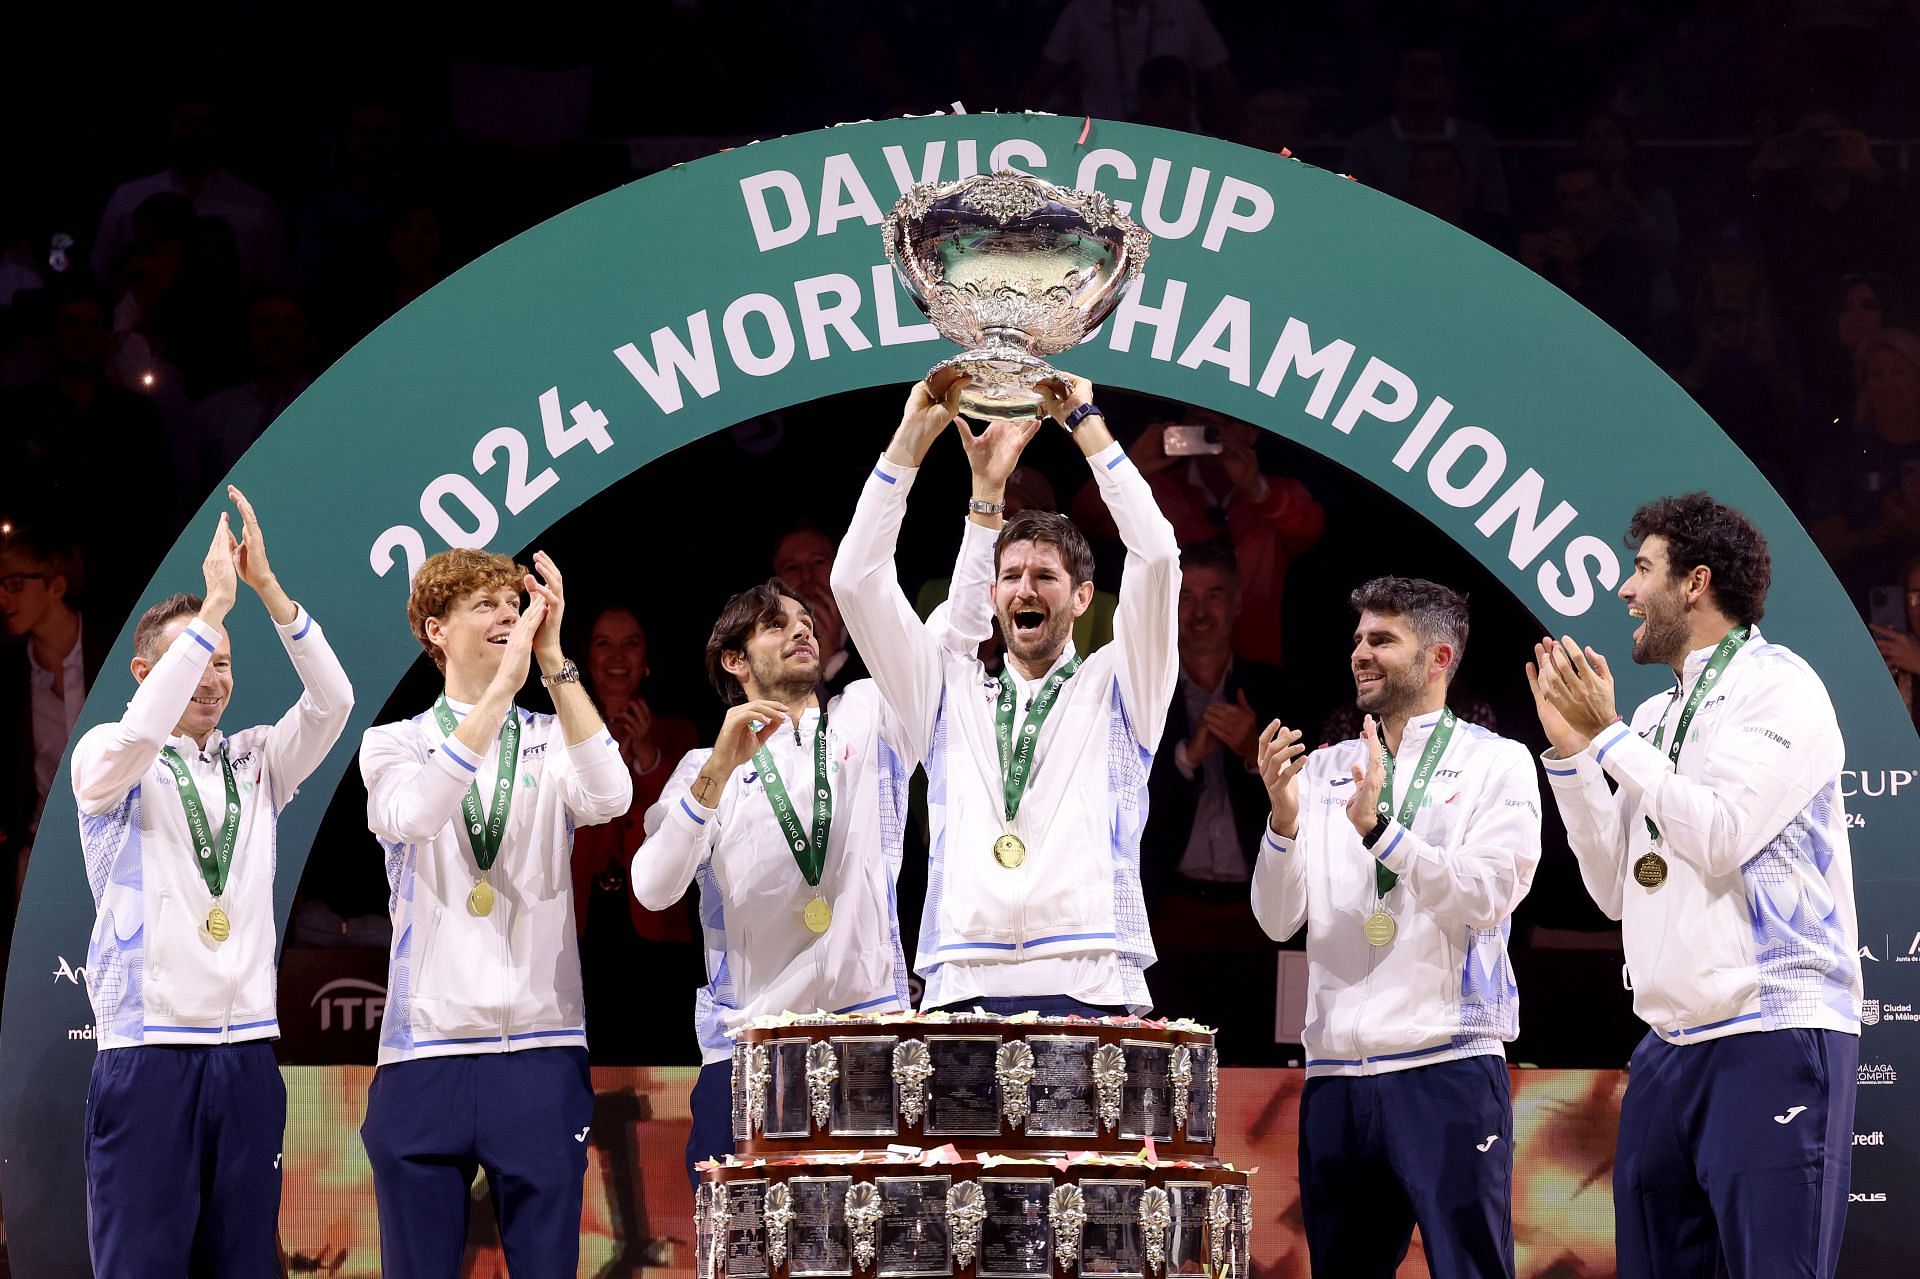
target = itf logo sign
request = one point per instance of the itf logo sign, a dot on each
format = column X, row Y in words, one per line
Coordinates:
column 339, row 1000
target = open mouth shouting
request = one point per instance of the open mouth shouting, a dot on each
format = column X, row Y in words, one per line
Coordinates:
column 1029, row 623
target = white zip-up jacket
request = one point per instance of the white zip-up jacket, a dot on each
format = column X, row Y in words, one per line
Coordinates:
column 1754, row 928
column 1443, row 988
column 761, row 958
column 510, row 980
column 1070, row 920
column 152, row 977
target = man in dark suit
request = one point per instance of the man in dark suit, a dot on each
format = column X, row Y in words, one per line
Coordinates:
column 46, row 668
column 1205, row 807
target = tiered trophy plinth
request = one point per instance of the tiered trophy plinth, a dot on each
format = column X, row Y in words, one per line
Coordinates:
column 1022, row 1148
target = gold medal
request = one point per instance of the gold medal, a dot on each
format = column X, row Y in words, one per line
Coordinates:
column 480, row 900
column 1010, row 851
column 218, row 926
column 1379, row 928
column 1650, row 871
column 817, row 915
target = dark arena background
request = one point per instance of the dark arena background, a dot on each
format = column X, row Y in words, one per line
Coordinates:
column 1644, row 247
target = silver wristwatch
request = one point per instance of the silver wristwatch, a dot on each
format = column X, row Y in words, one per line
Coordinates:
column 979, row 507
column 569, row 674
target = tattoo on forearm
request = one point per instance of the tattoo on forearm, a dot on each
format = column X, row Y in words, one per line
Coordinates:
column 703, row 789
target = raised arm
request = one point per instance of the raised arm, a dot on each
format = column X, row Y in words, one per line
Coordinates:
column 310, row 727
column 1279, row 868
column 110, row 759
column 906, row 659
column 409, row 798
column 1776, row 746
column 1146, row 622
column 680, row 834
column 1596, row 816
column 599, row 785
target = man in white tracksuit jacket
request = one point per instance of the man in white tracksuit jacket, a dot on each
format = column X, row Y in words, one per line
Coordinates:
column 1405, row 852
column 483, row 1047
column 179, row 822
column 1722, row 849
column 1033, row 888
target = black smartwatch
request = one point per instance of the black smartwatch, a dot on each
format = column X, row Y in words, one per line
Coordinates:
column 1087, row 410
column 1372, row 837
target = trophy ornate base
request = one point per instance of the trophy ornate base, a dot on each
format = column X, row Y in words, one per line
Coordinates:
column 1005, row 384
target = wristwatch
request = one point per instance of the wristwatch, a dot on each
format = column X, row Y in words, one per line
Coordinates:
column 1089, row 409
column 979, row 507
column 1372, row 837
column 568, row 674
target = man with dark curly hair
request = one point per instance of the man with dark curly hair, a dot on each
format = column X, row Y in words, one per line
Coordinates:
column 1723, row 852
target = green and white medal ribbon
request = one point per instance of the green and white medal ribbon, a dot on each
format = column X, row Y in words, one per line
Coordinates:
column 214, row 862
column 1379, row 926
column 1650, row 871
column 809, row 853
column 1017, row 756
column 485, row 831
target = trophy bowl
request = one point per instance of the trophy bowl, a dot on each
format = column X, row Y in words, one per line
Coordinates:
column 1012, row 269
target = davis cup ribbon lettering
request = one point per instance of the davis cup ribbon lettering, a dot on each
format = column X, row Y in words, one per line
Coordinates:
column 809, row 854
column 485, row 830
column 1017, row 757
column 1379, row 927
column 1650, row 871
column 214, row 863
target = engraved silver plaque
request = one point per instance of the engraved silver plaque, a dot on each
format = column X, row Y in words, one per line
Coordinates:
column 819, row 1244
column 1156, row 1218
column 1015, row 1241
column 863, row 1221
column 1067, row 1214
column 1064, row 1102
column 1187, row 1243
column 863, row 1100
column 1013, row 1071
column 1146, row 1108
column 789, row 1113
column 1112, row 1242
column 1109, row 1079
column 966, row 1212
column 961, row 1096
column 913, row 1226
column 912, row 1067
column 1202, row 1090
column 823, row 1068
column 702, row 1229
column 743, row 1246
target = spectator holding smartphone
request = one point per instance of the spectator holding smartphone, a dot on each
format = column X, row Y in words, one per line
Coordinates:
column 1206, row 477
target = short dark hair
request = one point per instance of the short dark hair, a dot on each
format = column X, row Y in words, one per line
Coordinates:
column 1211, row 555
column 1048, row 528
column 49, row 552
column 1438, row 613
column 146, row 634
column 1700, row 531
column 745, row 613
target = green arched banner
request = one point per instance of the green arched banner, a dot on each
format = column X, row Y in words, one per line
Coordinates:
column 1448, row 375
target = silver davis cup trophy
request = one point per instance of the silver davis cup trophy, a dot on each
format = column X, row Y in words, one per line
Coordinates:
column 1011, row 268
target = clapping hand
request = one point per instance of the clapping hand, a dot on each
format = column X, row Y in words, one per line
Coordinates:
column 1281, row 756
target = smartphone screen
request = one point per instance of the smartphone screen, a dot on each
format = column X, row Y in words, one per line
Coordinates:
column 1887, row 606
